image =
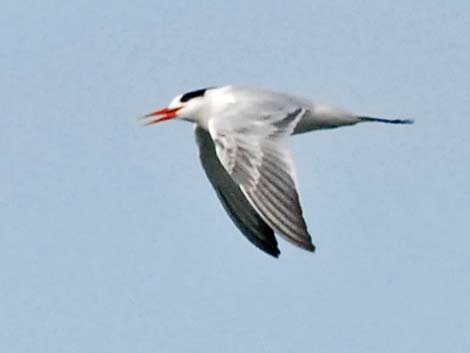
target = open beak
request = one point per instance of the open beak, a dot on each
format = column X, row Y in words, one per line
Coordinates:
column 160, row 115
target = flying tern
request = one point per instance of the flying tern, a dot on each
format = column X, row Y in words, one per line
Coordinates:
column 242, row 135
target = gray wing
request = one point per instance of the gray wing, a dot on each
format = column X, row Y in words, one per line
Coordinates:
column 232, row 198
column 254, row 152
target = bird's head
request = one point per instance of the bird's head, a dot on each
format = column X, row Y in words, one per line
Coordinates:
column 184, row 106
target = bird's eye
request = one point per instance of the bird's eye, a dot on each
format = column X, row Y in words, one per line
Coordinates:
column 193, row 94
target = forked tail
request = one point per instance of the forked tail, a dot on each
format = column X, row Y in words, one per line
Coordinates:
column 388, row 121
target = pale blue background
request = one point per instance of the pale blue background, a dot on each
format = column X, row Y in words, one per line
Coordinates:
column 112, row 239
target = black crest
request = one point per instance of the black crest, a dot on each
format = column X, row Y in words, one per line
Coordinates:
column 193, row 94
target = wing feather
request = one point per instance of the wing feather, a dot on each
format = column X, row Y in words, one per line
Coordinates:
column 245, row 217
column 254, row 152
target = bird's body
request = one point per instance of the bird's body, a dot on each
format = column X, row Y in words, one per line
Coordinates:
column 239, row 104
column 242, row 137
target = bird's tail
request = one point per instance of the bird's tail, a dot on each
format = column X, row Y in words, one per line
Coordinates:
column 388, row 121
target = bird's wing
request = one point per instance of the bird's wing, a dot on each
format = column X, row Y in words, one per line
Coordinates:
column 252, row 146
column 235, row 203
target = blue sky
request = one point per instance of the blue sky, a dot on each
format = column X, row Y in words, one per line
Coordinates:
column 112, row 239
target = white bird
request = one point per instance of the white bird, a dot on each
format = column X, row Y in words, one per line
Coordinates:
column 242, row 137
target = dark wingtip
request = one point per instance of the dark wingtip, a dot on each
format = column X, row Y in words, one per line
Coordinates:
column 275, row 253
column 310, row 247
column 270, row 249
column 306, row 245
